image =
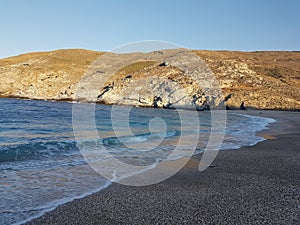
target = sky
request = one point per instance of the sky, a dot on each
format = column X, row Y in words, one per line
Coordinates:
column 35, row 25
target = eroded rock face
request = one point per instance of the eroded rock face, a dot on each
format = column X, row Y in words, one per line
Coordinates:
column 174, row 78
column 265, row 80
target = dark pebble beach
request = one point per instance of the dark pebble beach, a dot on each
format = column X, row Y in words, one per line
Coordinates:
column 259, row 184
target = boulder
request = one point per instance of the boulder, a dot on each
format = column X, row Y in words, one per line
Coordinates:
column 157, row 102
column 164, row 64
column 242, row 106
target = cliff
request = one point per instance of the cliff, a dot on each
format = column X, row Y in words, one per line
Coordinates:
column 263, row 80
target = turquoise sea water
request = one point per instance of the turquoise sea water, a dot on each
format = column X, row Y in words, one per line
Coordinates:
column 41, row 165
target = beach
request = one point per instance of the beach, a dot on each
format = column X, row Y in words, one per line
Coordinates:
column 258, row 184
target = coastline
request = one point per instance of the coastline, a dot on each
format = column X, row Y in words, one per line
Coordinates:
column 249, row 110
column 253, row 184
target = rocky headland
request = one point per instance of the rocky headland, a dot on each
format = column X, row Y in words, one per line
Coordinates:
column 168, row 78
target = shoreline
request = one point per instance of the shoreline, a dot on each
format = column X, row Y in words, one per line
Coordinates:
column 70, row 100
column 98, row 208
column 53, row 205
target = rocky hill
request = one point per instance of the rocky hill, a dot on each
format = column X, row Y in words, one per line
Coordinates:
column 264, row 80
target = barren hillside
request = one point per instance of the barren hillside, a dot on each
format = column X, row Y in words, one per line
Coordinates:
column 265, row 80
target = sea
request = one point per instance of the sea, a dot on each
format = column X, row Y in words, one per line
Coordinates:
column 42, row 165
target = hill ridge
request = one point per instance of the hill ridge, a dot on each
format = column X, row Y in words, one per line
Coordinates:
column 260, row 79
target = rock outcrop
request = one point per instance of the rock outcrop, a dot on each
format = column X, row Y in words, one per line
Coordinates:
column 174, row 78
column 263, row 80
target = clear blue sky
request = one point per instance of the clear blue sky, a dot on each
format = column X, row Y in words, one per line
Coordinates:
column 39, row 25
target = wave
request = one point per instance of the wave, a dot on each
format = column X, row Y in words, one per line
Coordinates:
column 37, row 150
column 49, row 149
column 138, row 138
column 244, row 133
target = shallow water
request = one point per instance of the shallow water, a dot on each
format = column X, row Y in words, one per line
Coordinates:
column 41, row 165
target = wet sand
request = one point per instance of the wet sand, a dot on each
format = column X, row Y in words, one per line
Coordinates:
column 259, row 184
